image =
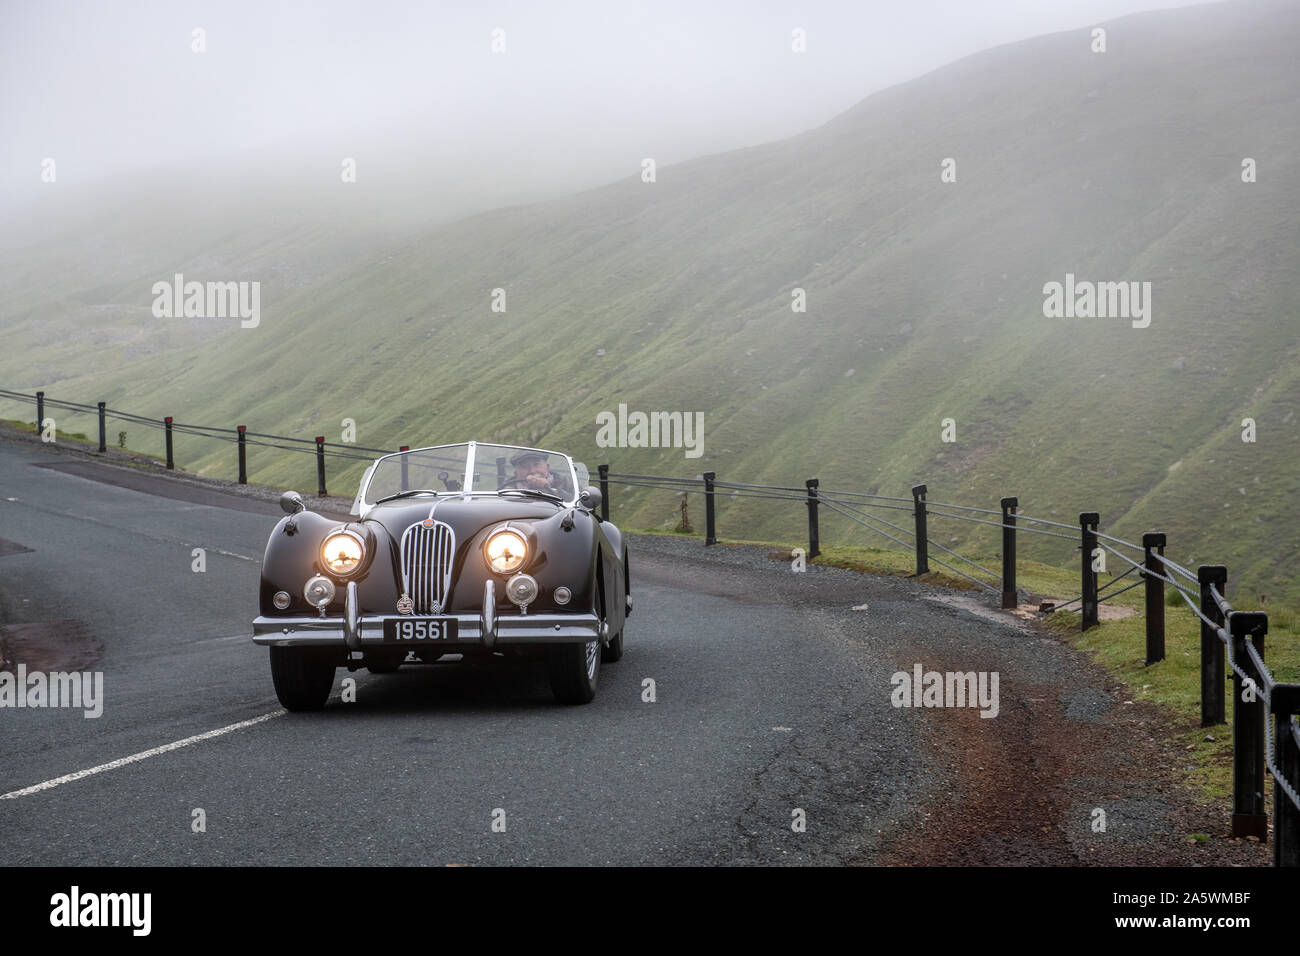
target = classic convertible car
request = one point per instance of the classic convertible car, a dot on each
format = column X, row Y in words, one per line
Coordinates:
column 471, row 549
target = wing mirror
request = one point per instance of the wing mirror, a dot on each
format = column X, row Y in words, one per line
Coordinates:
column 590, row 498
column 291, row 503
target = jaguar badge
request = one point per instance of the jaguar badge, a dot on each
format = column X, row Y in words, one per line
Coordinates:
column 405, row 605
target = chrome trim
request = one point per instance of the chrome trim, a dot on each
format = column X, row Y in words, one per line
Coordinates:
column 508, row 630
column 352, row 618
column 522, row 578
column 427, row 555
column 333, row 589
column 489, row 622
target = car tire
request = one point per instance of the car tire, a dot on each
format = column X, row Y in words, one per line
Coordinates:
column 613, row 651
column 575, row 668
column 303, row 677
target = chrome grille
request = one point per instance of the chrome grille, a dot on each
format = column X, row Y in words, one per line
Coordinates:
column 426, row 565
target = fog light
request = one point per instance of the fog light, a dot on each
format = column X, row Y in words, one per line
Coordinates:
column 522, row 589
column 562, row 595
column 319, row 591
column 281, row 599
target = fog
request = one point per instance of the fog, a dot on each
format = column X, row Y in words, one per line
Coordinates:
column 439, row 124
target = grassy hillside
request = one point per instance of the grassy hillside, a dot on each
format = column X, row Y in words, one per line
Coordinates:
column 924, row 303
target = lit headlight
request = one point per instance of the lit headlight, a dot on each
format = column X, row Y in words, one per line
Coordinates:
column 506, row 551
column 342, row 552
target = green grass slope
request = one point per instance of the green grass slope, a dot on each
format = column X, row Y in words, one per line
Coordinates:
column 924, row 303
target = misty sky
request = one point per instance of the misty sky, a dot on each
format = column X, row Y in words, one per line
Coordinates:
column 583, row 90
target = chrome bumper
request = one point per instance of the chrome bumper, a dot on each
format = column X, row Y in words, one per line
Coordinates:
column 488, row 628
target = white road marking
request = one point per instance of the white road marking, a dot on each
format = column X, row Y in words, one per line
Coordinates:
column 135, row 758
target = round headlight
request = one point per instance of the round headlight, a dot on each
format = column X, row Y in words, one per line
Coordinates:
column 522, row 589
column 342, row 552
column 506, row 551
column 319, row 591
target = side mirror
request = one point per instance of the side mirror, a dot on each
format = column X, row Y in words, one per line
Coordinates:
column 291, row 503
column 590, row 498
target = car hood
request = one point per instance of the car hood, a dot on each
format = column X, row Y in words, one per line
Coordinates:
column 465, row 514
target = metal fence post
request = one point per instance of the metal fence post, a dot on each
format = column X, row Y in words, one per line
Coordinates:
column 40, row 412
column 1009, row 506
column 603, row 471
column 243, row 455
column 102, row 445
column 1248, row 816
column 1088, row 521
column 320, row 466
column 814, row 536
column 922, row 538
column 171, row 462
column 406, row 475
column 1153, row 542
column 710, row 528
column 1213, row 710
column 1286, row 816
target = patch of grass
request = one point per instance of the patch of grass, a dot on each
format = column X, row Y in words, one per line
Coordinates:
column 31, row 428
column 60, row 435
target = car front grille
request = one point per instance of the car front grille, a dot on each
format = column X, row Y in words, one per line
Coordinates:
column 426, row 565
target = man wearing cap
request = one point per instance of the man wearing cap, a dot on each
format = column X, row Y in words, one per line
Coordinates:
column 532, row 470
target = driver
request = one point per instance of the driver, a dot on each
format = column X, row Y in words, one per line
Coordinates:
column 532, row 470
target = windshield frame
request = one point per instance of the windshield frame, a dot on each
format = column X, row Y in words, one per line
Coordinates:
column 365, row 504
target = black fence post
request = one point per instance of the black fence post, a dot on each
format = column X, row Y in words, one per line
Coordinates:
column 922, row 538
column 171, row 462
column 1248, row 816
column 1009, row 506
column 406, row 474
column 1213, row 710
column 1286, row 816
column 814, row 536
column 320, row 466
column 604, row 491
column 40, row 412
column 1153, row 542
column 710, row 528
column 1088, row 521
column 243, row 455
column 102, row 445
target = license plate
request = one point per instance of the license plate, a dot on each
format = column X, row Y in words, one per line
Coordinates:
column 419, row 630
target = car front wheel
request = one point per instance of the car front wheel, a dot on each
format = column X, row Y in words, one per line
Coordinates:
column 575, row 669
column 613, row 651
column 303, row 677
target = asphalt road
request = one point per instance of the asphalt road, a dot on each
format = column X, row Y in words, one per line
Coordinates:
column 413, row 771
column 772, row 698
